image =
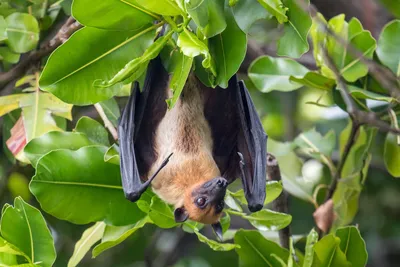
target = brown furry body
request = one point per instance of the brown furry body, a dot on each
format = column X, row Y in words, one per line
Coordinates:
column 185, row 132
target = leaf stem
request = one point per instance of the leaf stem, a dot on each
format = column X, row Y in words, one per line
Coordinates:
column 106, row 121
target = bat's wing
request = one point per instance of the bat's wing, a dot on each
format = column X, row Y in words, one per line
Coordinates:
column 239, row 139
column 137, row 125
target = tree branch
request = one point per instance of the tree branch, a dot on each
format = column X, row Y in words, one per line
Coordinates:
column 69, row 27
column 281, row 203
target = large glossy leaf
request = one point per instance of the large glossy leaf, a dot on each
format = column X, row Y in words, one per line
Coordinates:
column 268, row 220
column 315, row 80
column 24, row 227
column 191, row 46
column 11, row 252
column 179, row 66
column 8, row 55
column 114, row 235
column 353, row 246
column 364, row 94
column 208, row 16
column 161, row 213
column 293, row 43
column 94, row 131
column 37, row 147
column 89, row 237
column 246, row 12
column 22, row 32
column 93, row 54
column 228, row 49
column 312, row 238
column 388, row 44
column 392, row 155
column 111, row 14
column 255, row 250
column 163, row 7
column 329, row 253
column 3, row 28
column 268, row 73
column 83, row 189
column 276, row 8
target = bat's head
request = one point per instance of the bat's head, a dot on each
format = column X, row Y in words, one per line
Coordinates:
column 204, row 202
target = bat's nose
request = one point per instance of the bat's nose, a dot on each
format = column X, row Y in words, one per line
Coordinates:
column 222, row 182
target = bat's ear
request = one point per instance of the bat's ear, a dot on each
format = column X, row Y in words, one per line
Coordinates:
column 217, row 230
column 181, row 215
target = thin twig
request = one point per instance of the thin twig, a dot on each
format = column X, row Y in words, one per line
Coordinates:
column 19, row 70
column 107, row 122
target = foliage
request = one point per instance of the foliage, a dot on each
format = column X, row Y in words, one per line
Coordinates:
column 77, row 176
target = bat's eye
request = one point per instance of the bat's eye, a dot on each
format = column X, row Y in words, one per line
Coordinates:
column 201, row 201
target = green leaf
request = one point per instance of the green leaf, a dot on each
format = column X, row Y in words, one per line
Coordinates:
column 228, row 49
column 114, row 235
column 273, row 189
column 3, row 28
column 191, row 46
column 136, row 67
column 290, row 166
column 112, row 14
column 276, row 8
column 255, row 250
column 161, row 213
column 162, row 7
column 268, row 220
column 7, row 55
column 24, row 227
column 93, row 54
column 350, row 66
column 39, row 146
column 388, row 44
column 392, row 6
column 112, row 155
column 89, row 237
column 315, row 80
column 6, row 248
column 246, row 12
column 329, row 253
column 208, row 16
column 314, row 144
column 83, row 189
column 391, row 155
column 231, row 202
column 268, row 73
column 293, row 43
column 353, row 246
column 179, row 65
column 225, row 222
column 214, row 245
column 312, row 238
column 22, row 32
column 364, row 94
column 111, row 109
column 94, row 131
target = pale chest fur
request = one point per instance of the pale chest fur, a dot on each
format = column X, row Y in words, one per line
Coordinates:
column 185, row 132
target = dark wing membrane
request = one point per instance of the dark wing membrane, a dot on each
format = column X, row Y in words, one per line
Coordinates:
column 236, row 127
column 136, row 129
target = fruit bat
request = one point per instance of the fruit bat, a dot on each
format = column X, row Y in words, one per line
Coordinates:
column 190, row 153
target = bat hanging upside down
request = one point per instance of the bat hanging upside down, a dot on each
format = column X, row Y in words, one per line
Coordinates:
column 190, row 154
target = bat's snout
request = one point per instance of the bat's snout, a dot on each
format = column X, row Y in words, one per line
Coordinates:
column 221, row 182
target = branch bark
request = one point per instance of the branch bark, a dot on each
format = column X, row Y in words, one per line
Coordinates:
column 69, row 27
